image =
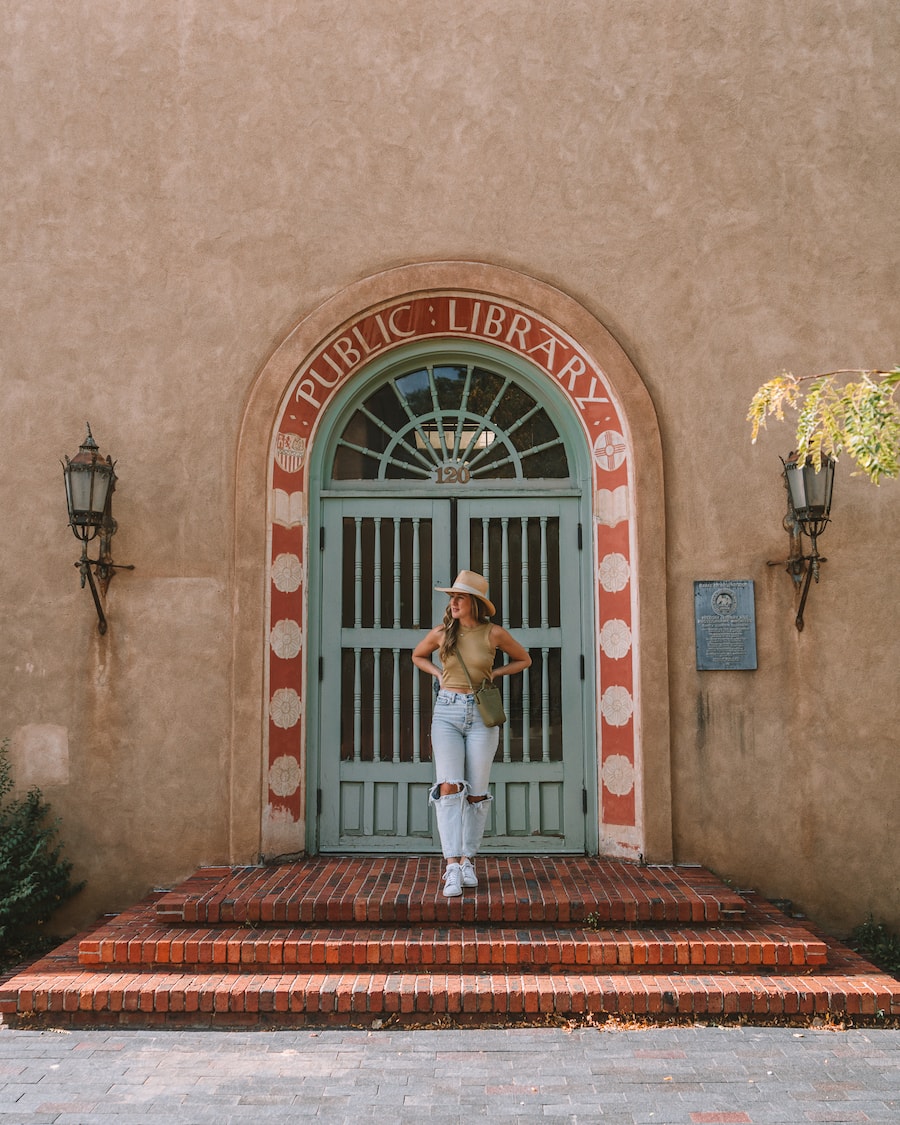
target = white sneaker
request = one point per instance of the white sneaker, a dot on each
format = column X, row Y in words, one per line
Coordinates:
column 469, row 878
column 452, row 881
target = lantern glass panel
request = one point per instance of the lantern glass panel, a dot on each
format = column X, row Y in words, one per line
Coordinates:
column 81, row 488
column 810, row 491
column 818, row 489
column 102, row 476
column 796, row 487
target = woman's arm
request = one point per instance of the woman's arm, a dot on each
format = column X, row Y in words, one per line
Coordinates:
column 421, row 656
column 519, row 659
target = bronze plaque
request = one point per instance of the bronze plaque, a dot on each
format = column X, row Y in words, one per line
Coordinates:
column 725, row 624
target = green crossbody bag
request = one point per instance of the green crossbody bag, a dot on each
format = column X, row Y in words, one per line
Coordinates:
column 488, row 697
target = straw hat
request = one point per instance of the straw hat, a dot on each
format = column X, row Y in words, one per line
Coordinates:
column 468, row 582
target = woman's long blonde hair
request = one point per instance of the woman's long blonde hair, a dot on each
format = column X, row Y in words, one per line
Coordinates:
column 451, row 626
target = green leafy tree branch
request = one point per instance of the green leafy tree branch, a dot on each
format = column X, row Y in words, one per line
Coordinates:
column 838, row 415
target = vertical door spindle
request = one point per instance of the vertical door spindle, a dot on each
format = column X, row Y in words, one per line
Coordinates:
column 545, row 704
column 525, row 622
column 416, row 716
column 525, row 589
column 417, row 578
column 357, row 705
column 376, row 706
column 526, row 716
column 545, row 591
column 395, row 700
column 397, row 595
column 357, row 575
column 377, row 574
column 504, row 569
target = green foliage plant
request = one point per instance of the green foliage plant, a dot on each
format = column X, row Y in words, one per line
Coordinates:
column 878, row 944
column 837, row 414
column 34, row 879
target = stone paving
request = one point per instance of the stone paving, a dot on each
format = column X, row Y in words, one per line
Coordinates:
column 695, row 1075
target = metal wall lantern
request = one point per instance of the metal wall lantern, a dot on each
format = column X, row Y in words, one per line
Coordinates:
column 809, row 512
column 90, row 483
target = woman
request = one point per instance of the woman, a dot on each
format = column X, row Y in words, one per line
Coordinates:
column 462, row 746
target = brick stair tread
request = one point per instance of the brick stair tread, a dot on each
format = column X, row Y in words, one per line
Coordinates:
column 567, row 889
column 78, row 998
column 428, row 948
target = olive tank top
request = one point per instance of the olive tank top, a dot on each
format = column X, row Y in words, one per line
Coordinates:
column 478, row 653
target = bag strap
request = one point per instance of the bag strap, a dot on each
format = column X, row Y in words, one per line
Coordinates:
column 458, row 656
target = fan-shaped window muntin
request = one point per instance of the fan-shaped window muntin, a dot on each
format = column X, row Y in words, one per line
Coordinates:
column 449, row 422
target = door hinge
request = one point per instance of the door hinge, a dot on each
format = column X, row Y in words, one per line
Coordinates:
column 322, row 669
column 580, row 538
column 321, row 538
column 319, row 802
column 584, row 801
column 582, row 666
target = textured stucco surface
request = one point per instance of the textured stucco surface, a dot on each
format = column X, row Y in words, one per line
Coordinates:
column 184, row 181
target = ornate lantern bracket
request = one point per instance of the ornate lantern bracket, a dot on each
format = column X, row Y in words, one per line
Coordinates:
column 90, row 481
column 809, row 492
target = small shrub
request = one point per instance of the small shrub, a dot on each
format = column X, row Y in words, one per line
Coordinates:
column 34, row 880
column 877, row 944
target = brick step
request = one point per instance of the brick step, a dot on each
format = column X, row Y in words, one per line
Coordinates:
column 526, row 890
column 432, row 949
column 71, row 997
column 123, row 972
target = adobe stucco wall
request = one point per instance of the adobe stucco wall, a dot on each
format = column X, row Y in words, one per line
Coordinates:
column 185, row 181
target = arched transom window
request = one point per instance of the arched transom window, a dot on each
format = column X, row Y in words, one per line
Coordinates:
column 453, row 423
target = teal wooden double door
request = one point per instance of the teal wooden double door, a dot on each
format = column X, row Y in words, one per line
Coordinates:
column 381, row 556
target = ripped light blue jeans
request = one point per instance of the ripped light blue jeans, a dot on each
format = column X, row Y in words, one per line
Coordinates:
column 462, row 749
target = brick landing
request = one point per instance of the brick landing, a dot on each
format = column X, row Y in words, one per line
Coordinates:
column 363, row 941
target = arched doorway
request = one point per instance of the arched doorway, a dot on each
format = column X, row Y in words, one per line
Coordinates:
column 448, row 454
column 600, row 405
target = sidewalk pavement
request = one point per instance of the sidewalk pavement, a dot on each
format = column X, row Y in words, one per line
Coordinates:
column 663, row 1076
